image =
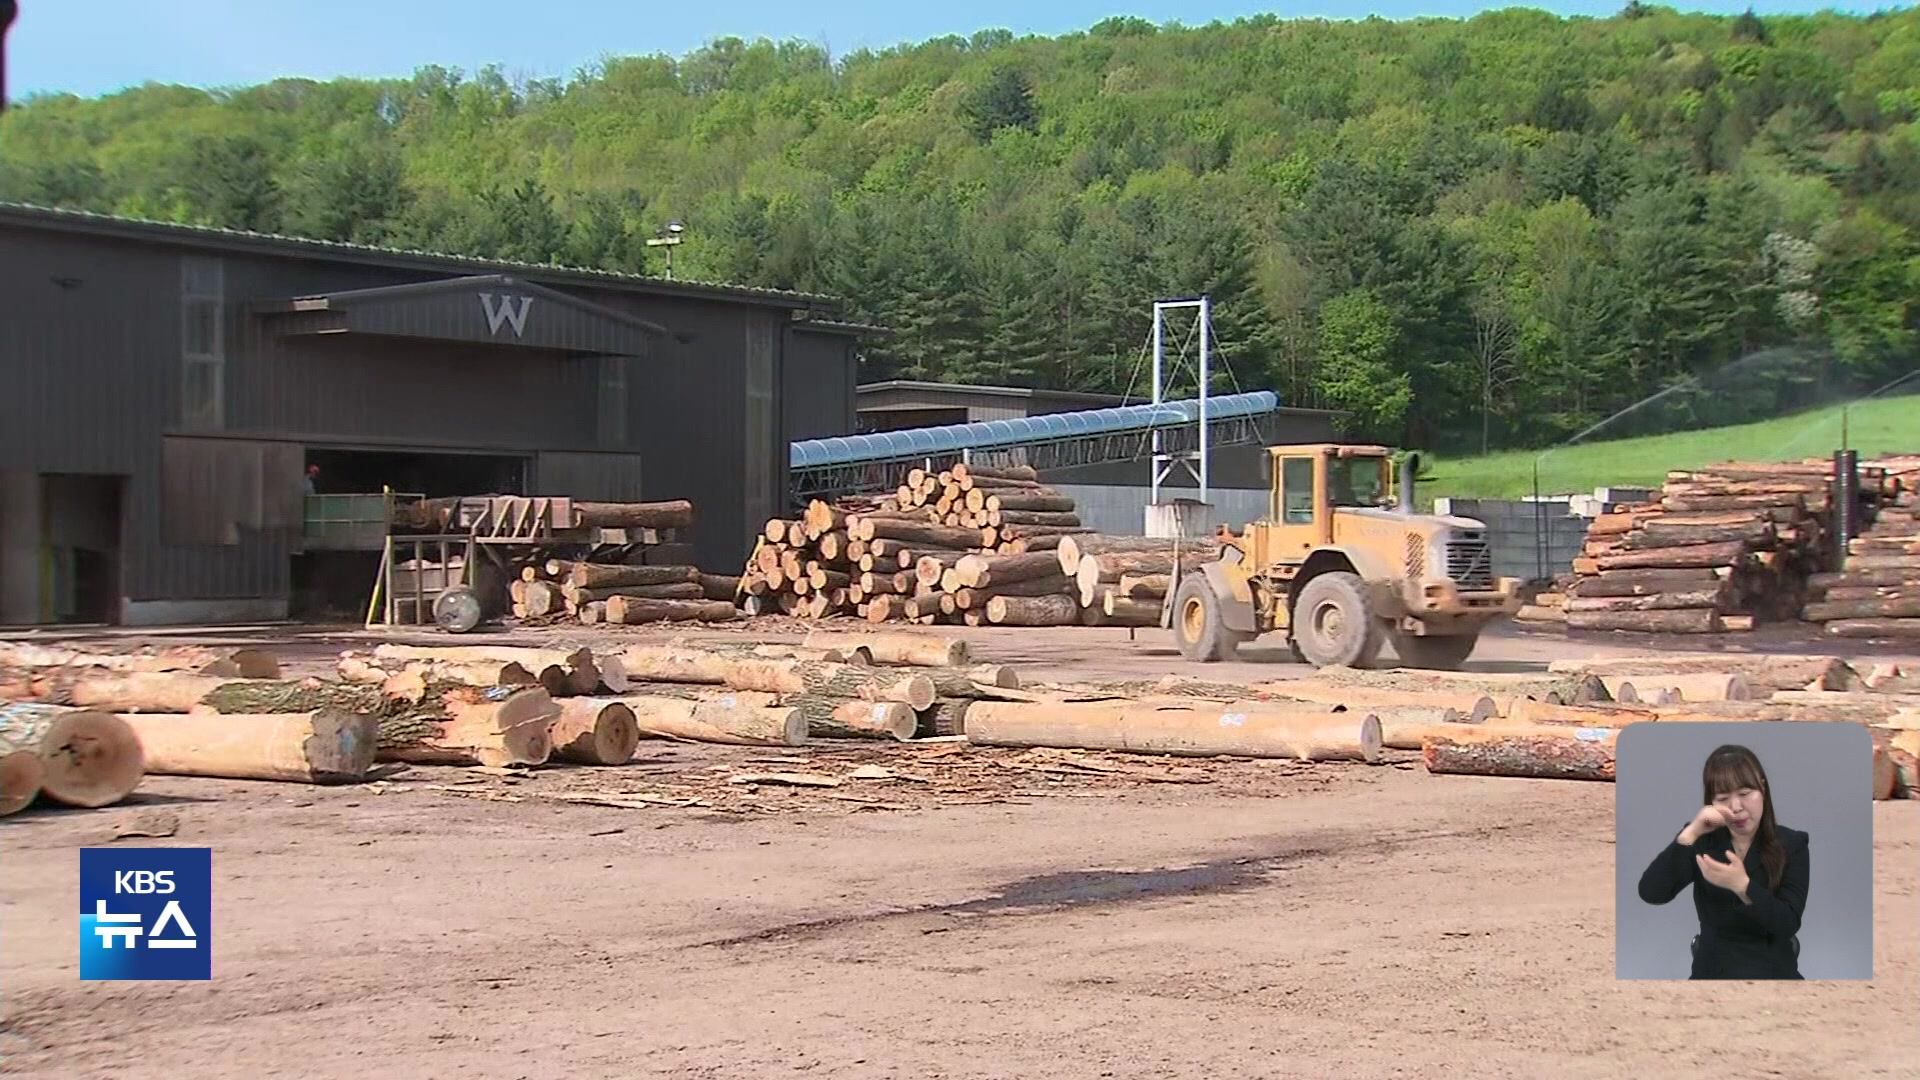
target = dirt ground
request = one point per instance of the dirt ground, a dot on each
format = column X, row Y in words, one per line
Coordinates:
column 973, row 914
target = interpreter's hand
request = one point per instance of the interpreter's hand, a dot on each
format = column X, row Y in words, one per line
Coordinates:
column 1730, row 875
column 1708, row 819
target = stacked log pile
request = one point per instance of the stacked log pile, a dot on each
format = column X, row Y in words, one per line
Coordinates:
column 649, row 537
column 1875, row 593
column 969, row 545
column 623, row 594
column 1718, row 550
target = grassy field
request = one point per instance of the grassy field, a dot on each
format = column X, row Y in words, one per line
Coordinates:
column 1873, row 427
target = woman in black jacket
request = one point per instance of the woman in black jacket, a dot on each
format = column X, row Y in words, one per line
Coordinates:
column 1749, row 875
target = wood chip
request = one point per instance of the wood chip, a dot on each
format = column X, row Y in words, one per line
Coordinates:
column 147, row 823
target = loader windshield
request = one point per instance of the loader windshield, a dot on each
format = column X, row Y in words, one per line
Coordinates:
column 1357, row 481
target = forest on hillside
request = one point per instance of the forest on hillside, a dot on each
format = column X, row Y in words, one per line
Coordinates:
column 1468, row 233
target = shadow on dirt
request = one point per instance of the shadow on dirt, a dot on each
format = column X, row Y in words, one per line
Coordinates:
column 1087, row 888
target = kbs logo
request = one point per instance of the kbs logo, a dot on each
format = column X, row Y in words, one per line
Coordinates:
column 146, row 913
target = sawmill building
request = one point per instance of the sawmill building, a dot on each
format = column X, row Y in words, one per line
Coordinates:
column 167, row 388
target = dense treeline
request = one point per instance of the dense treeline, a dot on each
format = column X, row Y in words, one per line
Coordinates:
column 1467, row 233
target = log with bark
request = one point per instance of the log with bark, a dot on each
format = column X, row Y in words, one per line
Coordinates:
column 575, row 596
column 834, row 718
column 1729, row 554
column 1542, row 752
column 88, row 758
column 1033, row 611
column 1682, row 621
column 997, row 571
column 1761, row 670
column 1715, row 597
column 739, row 719
column 675, row 514
column 593, row 731
column 629, row 611
column 918, row 650
column 232, row 663
column 1241, row 729
column 558, row 670
column 326, row 746
column 496, row 726
column 616, row 575
column 1698, row 686
column 1073, row 548
column 1890, row 607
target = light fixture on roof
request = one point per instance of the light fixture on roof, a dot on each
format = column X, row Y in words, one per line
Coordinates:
column 667, row 238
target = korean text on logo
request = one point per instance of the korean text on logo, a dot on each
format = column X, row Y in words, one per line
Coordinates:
column 146, row 913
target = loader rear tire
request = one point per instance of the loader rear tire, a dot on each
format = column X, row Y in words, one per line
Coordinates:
column 1333, row 624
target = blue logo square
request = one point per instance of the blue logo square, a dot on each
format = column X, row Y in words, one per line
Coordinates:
column 146, row 913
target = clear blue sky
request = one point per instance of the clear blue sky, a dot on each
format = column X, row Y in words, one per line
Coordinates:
column 98, row 46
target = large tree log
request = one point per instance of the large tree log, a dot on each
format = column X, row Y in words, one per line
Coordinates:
column 572, row 671
column 1879, row 608
column 542, row 598
column 1121, row 611
column 1050, row 586
column 328, row 746
column 1662, row 534
column 232, row 663
column 1645, row 582
column 354, row 667
column 1685, row 621
column 617, row 575
column 1695, row 555
column 1033, row 517
column 676, row 514
column 1110, row 566
column 948, row 717
column 1762, row 670
column 1715, row 598
column 627, row 611
column 740, row 719
column 1144, row 586
column 1531, row 712
column 87, row 758
column 1700, row 686
column 1033, row 611
column 919, row 650
column 991, row 571
column 1706, row 504
column 935, row 536
column 1543, row 752
column 1074, row 547
column 1411, row 730
column 929, row 569
column 1050, row 502
column 497, row 726
column 1856, row 578
column 579, row 597
column 1875, row 628
column 593, row 731
column 20, row 773
column 1471, row 705
column 1242, row 729
column 833, row 718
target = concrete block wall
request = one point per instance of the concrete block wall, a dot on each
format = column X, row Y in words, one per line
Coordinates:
column 1516, row 527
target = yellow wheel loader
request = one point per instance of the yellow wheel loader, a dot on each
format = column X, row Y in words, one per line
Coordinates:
column 1343, row 566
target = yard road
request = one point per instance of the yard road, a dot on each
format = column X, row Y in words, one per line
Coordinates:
column 1396, row 925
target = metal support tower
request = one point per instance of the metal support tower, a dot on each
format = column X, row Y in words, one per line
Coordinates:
column 1164, row 462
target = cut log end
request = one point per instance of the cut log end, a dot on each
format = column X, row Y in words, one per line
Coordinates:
column 88, row 758
column 594, row 731
column 20, row 775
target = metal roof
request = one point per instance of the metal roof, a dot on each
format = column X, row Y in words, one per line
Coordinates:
column 479, row 308
column 952, row 438
column 145, row 228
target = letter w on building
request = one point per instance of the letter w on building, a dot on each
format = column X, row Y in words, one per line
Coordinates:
column 505, row 312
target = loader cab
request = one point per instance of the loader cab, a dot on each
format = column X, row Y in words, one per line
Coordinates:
column 1307, row 483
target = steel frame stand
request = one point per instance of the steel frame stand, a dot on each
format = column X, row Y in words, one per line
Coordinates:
column 1163, row 461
